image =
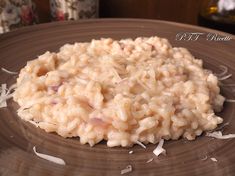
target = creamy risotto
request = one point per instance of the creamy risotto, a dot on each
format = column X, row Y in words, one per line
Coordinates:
column 122, row 91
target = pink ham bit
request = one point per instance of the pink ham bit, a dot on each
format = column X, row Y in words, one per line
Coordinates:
column 97, row 122
column 54, row 102
column 54, row 88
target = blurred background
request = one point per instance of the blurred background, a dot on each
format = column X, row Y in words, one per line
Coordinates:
column 184, row 11
column 217, row 14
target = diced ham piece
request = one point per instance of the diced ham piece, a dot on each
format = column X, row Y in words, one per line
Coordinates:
column 54, row 102
column 97, row 122
column 54, row 88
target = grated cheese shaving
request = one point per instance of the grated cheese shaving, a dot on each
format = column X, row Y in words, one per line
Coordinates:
column 214, row 159
column 230, row 100
column 5, row 94
column 141, row 144
column 157, row 151
column 204, row 158
column 34, row 123
column 126, row 170
column 9, row 72
column 49, row 158
column 224, row 71
column 225, row 77
column 150, row 160
column 219, row 135
column 222, row 126
column 3, row 91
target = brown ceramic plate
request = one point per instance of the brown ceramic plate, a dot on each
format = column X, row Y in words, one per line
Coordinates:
column 17, row 138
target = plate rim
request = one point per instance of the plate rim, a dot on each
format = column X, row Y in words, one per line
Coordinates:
column 116, row 20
